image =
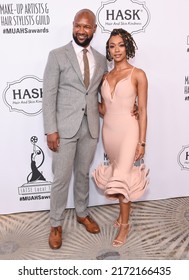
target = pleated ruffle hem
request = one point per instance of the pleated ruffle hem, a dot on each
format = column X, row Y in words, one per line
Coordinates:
column 132, row 187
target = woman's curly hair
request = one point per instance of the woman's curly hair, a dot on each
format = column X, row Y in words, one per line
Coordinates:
column 128, row 40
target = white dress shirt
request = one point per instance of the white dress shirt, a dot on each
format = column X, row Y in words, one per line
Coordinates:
column 79, row 53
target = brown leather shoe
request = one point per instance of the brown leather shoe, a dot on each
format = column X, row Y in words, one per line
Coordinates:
column 55, row 237
column 89, row 223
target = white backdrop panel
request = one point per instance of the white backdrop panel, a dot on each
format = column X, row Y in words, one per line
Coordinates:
column 29, row 30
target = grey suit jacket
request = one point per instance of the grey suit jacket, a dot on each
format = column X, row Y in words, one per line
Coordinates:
column 65, row 95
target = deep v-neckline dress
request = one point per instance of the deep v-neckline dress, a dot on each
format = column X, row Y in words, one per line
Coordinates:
column 120, row 135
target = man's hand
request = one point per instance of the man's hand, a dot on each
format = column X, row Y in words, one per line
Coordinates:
column 134, row 111
column 53, row 141
column 140, row 151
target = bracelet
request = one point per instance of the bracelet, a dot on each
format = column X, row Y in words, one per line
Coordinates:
column 142, row 143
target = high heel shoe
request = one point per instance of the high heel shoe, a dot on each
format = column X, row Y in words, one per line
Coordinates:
column 116, row 224
column 119, row 243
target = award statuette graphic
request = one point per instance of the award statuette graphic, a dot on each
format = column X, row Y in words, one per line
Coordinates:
column 36, row 182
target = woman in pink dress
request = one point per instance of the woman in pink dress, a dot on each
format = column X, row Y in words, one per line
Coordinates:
column 123, row 135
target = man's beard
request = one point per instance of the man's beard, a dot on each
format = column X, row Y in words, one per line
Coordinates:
column 84, row 43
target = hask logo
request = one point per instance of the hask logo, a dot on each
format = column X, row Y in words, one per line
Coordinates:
column 130, row 15
column 183, row 158
column 24, row 95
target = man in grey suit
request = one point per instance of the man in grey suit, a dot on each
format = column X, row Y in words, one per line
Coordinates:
column 71, row 121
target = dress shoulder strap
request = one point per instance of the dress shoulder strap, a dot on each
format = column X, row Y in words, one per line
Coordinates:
column 132, row 71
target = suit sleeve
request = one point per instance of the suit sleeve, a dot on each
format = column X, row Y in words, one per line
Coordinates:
column 50, row 92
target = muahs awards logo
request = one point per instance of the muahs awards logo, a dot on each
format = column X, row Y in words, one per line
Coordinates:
column 183, row 158
column 131, row 15
column 24, row 96
column 36, row 187
column 186, row 88
column 106, row 159
column 24, row 18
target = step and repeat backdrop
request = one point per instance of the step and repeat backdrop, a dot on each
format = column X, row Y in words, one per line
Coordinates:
column 29, row 30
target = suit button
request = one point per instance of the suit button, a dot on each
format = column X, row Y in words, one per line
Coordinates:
column 87, row 93
column 83, row 109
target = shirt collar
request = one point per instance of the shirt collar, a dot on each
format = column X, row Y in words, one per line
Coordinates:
column 78, row 48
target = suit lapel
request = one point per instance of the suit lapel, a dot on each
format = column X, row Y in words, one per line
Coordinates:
column 73, row 60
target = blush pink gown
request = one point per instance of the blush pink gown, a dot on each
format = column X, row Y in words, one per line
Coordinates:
column 120, row 135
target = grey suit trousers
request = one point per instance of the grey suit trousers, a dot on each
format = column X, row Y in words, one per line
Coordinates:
column 74, row 154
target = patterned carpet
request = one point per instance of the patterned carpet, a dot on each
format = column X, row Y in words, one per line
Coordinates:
column 160, row 230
